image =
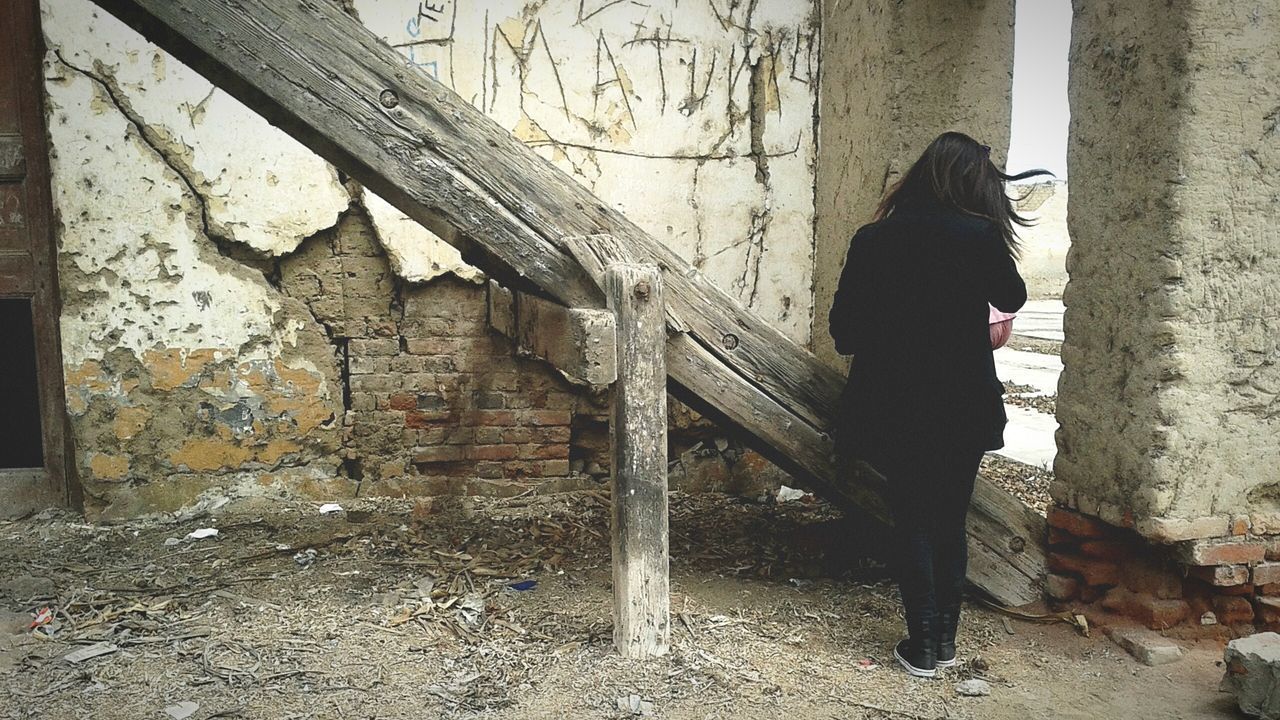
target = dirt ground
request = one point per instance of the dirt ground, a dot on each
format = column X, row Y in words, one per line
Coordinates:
column 396, row 610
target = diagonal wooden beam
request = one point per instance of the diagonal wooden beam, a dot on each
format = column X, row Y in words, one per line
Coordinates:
column 332, row 84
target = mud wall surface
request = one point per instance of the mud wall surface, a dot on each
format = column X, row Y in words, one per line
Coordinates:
column 1168, row 403
column 236, row 313
column 1045, row 244
column 894, row 76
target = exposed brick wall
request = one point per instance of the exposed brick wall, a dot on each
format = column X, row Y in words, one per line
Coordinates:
column 436, row 402
column 1223, row 586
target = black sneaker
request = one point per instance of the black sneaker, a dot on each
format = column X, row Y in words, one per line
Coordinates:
column 946, row 655
column 918, row 662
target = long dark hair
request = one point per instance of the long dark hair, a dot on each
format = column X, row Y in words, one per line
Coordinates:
column 956, row 171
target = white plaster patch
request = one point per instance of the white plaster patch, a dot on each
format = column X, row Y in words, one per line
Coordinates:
column 416, row 254
column 262, row 188
column 139, row 280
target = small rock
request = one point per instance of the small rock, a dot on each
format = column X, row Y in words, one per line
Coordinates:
column 973, row 687
column 1145, row 646
column 634, row 705
column 1253, row 674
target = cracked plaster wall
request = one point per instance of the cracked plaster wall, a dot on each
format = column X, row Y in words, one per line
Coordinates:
column 1170, row 400
column 181, row 213
column 894, row 75
column 695, row 119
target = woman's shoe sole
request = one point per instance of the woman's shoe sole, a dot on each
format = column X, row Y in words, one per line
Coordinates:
column 912, row 670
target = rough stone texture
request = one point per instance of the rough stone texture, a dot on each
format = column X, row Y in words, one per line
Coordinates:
column 1147, row 647
column 1169, row 396
column 695, row 119
column 894, row 76
column 1253, row 674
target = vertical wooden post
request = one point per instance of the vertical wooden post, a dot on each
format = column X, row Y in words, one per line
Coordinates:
column 638, row 443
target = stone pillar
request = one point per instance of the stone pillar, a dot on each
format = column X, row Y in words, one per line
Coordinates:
column 1170, row 402
column 894, row 76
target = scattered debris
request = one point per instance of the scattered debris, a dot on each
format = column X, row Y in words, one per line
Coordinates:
column 304, row 558
column 330, row 509
column 43, row 616
column 790, row 494
column 202, row 533
column 88, row 652
column 523, row 585
column 1253, row 674
column 1146, row 646
column 182, row 710
column 973, row 687
column 866, row 665
column 635, row 705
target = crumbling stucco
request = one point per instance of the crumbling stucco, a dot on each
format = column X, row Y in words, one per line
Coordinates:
column 1170, row 399
column 894, row 76
column 694, row 119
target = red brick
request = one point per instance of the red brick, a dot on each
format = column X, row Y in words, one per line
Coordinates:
column 1221, row 575
column 440, row 453
column 1061, row 587
column 1159, row 614
column 1105, row 549
column 548, row 435
column 544, row 452
column 419, row 420
column 488, row 418
column 1245, row 590
column 548, row 417
column 1090, row 593
column 1059, row 537
column 1240, row 525
column 553, row 468
column 1092, row 570
column 1269, row 589
column 488, row 435
column 1266, row 573
column 494, row 452
column 1231, row 610
column 403, row 401
column 1268, row 609
column 1152, row 576
column 1222, row 552
column 1077, row 524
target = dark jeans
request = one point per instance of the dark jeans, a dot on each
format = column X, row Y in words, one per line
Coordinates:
column 929, row 491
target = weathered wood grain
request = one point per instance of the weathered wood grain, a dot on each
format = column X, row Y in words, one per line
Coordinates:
column 579, row 343
column 638, row 444
column 333, row 85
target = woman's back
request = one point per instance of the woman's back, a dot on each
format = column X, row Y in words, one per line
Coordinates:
column 912, row 310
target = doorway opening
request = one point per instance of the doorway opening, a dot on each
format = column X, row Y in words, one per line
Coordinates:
column 21, row 443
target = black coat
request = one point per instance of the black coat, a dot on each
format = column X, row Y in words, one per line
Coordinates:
column 912, row 310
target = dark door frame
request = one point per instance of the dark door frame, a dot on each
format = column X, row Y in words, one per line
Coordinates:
column 23, row 491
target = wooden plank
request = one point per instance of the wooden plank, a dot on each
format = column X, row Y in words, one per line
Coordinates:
column 333, row 85
column 578, row 343
column 638, row 444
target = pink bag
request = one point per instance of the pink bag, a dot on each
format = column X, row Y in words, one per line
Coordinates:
column 1001, row 326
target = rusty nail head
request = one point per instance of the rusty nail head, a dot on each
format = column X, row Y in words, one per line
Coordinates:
column 642, row 289
column 388, row 99
column 730, row 341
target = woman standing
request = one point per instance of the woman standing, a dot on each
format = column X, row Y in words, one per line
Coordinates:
column 923, row 402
